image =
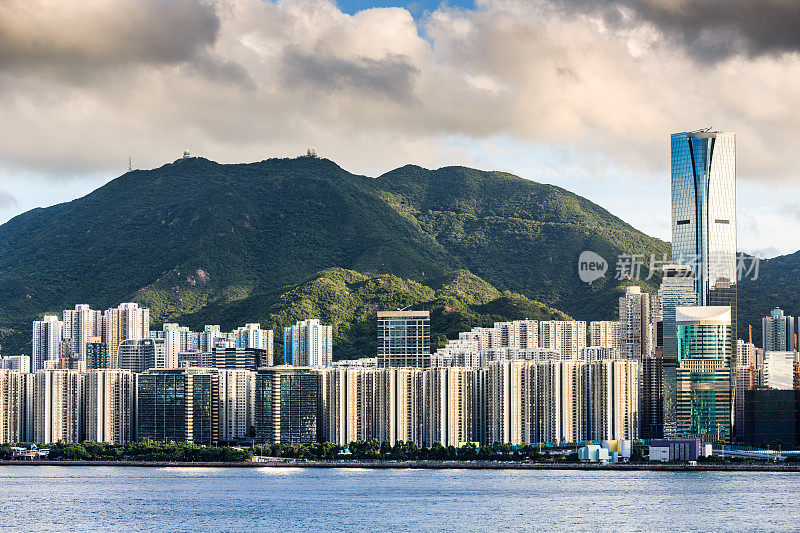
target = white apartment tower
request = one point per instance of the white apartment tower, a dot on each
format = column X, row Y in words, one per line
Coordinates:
column 46, row 343
column 568, row 337
column 108, row 405
column 606, row 333
column 80, row 324
column 126, row 322
column 308, row 343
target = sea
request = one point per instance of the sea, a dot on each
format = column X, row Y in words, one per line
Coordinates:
column 64, row 498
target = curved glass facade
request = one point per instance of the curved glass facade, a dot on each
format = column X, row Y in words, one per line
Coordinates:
column 704, row 214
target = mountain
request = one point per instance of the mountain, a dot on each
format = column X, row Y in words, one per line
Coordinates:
column 195, row 234
column 348, row 301
column 776, row 284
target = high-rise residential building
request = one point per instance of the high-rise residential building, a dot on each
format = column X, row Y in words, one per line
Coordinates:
column 108, row 405
column 137, row 355
column 12, row 406
column 46, row 343
column 126, row 322
column 449, row 406
column 308, row 343
column 178, row 405
column 58, row 404
column 600, row 353
column 703, row 374
column 406, row 408
column 252, row 336
column 606, row 333
column 96, row 354
column 176, row 339
column 236, row 397
column 704, row 216
column 677, row 290
column 80, row 324
column 285, row 408
column 613, row 394
column 404, row 338
column 780, row 370
column 568, row 337
column 207, row 340
column 19, row 363
column 778, row 332
column 635, row 328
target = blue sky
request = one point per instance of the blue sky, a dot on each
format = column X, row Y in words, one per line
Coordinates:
column 582, row 95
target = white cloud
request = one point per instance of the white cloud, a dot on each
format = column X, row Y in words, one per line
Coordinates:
column 237, row 80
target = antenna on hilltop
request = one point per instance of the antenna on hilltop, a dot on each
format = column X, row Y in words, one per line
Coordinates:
column 130, row 166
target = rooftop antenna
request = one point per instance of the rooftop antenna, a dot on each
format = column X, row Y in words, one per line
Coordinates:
column 406, row 307
column 130, row 166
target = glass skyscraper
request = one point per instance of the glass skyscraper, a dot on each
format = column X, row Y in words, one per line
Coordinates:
column 704, row 214
column 704, row 399
column 704, row 218
column 677, row 290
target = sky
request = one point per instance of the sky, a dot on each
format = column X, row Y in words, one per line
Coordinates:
column 577, row 93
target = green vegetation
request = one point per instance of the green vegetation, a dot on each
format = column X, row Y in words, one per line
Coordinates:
column 193, row 237
column 143, row 450
column 348, row 301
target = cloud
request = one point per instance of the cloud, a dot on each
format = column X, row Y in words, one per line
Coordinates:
column 710, row 30
column 7, row 200
column 87, row 84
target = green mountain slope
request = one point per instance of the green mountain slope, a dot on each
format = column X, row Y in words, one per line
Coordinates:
column 348, row 301
column 777, row 285
column 195, row 234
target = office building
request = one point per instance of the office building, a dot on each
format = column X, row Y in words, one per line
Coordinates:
column 613, row 394
column 404, row 339
column 703, row 375
column 58, row 405
column 81, row 324
column 677, row 290
column 308, row 343
column 771, row 417
column 96, row 354
column 567, row 337
column 746, row 375
column 778, row 332
column 178, row 405
column 126, row 322
column 237, row 358
column 46, row 342
column 19, row 363
column 285, row 408
column 780, row 370
column 137, row 355
column 108, row 406
column 236, row 398
column 606, row 333
column 651, row 402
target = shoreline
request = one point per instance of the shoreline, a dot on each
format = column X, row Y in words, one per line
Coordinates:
column 426, row 465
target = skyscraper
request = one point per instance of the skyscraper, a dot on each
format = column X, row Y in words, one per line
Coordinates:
column 605, row 333
column 137, row 355
column 127, row 321
column 703, row 376
column 404, row 338
column 568, row 337
column 704, row 214
column 308, row 343
column 285, row 405
column 677, row 290
column 777, row 332
column 635, row 329
column 80, row 324
column 46, row 342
